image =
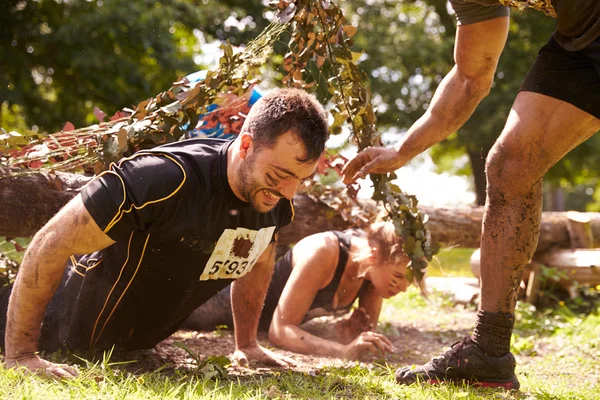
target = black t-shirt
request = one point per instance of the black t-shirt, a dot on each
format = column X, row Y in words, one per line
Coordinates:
column 578, row 21
column 181, row 236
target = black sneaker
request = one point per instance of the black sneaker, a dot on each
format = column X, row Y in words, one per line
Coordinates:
column 464, row 362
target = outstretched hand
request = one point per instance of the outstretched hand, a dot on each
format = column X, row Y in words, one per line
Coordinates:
column 257, row 354
column 36, row 365
column 372, row 160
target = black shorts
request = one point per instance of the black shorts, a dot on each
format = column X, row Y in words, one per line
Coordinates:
column 571, row 76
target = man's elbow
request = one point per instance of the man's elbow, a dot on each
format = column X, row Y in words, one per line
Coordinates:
column 478, row 86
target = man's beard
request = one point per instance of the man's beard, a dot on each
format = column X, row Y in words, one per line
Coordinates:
column 248, row 187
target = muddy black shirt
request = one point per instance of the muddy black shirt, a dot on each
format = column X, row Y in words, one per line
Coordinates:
column 181, row 236
column 578, row 21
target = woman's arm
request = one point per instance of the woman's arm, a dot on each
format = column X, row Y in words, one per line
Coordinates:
column 315, row 260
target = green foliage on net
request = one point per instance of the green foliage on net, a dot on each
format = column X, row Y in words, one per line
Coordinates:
column 320, row 39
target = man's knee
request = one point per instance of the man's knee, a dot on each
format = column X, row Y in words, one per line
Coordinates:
column 509, row 172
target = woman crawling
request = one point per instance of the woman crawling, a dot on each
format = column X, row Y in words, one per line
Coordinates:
column 323, row 275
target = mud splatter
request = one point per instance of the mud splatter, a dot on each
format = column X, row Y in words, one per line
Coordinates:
column 241, row 247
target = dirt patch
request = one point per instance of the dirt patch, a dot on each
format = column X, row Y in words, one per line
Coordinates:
column 416, row 339
column 415, row 343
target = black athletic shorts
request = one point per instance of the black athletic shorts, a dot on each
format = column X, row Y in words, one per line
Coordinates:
column 571, row 76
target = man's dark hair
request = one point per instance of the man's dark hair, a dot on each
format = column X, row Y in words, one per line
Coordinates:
column 286, row 110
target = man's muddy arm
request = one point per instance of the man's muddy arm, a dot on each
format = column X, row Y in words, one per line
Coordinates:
column 71, row 231
column 247, row 299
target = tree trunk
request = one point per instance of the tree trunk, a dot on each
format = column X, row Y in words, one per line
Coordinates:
column 448, row 226
column 556, row 198
column 477, row 159
column 27, row 202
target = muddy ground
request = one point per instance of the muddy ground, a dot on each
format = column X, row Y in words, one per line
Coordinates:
column 414, row 342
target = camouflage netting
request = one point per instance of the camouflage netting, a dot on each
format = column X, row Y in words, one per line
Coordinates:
column 320, row 40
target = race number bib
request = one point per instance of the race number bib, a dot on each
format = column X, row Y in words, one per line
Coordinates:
column 236, row 253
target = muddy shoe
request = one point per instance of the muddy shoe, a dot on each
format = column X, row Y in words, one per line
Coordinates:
column 464, row 362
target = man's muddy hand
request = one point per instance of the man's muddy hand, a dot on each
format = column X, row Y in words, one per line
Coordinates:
column 256, row 354
column 37, row 365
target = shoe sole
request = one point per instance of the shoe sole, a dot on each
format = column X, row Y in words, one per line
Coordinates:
column 493, row 385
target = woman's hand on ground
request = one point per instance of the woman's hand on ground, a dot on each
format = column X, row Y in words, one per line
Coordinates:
column 259, row 355
column 368, row 343
column 36, row 365
column 349, row 328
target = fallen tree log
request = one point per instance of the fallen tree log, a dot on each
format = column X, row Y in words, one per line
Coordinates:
column 449, row 226
column 28, row 201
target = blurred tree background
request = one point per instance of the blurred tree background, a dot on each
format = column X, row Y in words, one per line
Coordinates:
column 62, row 58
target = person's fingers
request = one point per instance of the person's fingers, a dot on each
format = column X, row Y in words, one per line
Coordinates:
column 351, row 166
column 274, row 362
column 72, row 371
column 389, row 346
column 378, row 344
column 367, row 346
column 282, row 360
column 350, row 169
column 384, row 339
column 278, row 361
column 288, row 361
column 381, row 342
column 370, row 167
column 240, row 359
column 57, row 372
column 358, row 314
column 291, row 362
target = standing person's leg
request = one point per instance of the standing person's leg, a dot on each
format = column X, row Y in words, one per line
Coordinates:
column 539, row 131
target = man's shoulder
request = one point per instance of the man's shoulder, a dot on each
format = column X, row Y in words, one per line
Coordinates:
column 477, row 2
column 204, row 160
column 196, row 149
column 283, row 213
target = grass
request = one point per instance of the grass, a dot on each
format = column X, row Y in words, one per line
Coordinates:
column 557, row 350
column 451, row 262
column 569, row 371
column 101, row 382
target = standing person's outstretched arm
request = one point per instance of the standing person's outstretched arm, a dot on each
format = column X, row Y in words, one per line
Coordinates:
column 476, row 52
column 71, row 231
